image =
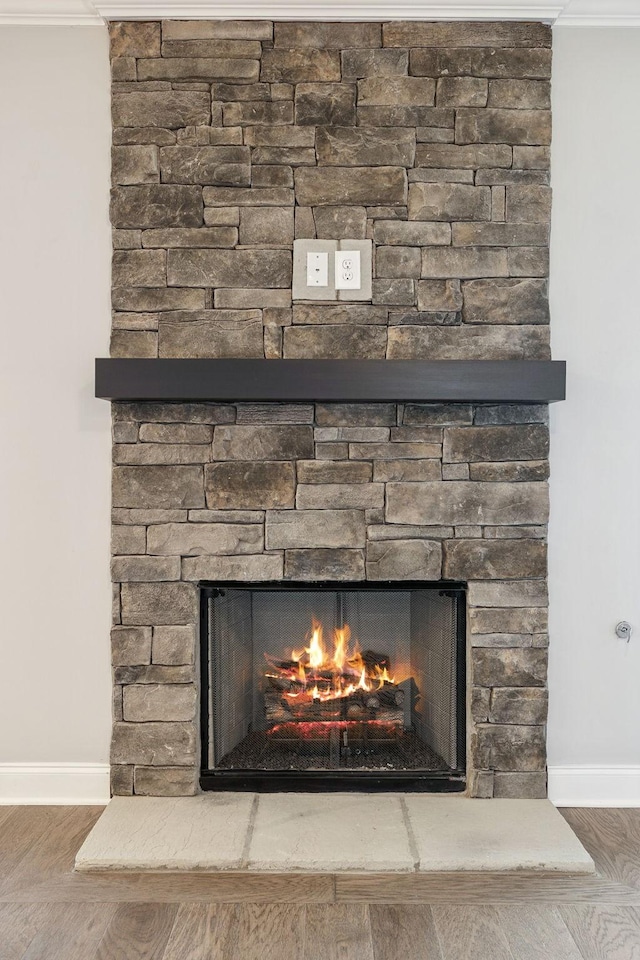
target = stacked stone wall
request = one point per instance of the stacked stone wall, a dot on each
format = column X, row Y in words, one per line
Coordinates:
column 230, row 140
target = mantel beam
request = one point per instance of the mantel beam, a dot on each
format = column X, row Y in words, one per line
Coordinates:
column 364, row 381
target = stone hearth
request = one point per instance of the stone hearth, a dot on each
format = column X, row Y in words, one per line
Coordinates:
column 230, row 140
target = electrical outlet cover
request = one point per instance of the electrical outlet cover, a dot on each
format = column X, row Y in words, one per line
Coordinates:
column 302, row 290
column 366, row 270
column 347, row 270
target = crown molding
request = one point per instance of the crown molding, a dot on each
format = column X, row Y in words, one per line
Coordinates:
column 567, row 13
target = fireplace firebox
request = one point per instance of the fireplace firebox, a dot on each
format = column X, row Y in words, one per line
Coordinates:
column 333, row 686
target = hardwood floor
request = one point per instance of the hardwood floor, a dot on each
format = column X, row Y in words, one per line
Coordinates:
column 47, row 912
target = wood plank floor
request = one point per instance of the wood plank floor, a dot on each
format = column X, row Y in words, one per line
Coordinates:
column 47, row 912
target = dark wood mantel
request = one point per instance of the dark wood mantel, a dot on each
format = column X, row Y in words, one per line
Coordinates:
column 468, row 381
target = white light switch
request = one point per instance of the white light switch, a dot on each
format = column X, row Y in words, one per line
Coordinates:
column 347, row 269
column 317, row 269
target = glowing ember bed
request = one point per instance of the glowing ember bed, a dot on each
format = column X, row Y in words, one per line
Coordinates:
column 333, row 686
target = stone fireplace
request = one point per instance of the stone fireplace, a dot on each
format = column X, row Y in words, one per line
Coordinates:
column 230, row 140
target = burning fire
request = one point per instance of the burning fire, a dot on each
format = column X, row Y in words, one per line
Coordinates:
column 313, row 673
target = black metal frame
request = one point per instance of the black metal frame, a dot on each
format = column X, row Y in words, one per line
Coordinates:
column 276, row 781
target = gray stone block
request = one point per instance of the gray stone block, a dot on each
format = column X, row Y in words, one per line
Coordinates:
column 134, row 164
column 520, row 667
column 156, row 205
column 266, row 225
column 223, row 268
column 449, row 201
column 398, row 262
column 393, row 292
column 357, row 64
column 151, row 412
column 199, row 539
column 281, row 442
column 130, row 646
column 462, row 92
column 340, row 223
column 247, row 197
column 217, row 236
column 520, row 94
column 470, row 157
column 160, row 453
column 350, row 185
column 176, row 432
column 300, row 66
column 509, row 619
column 396, row 91
column 339, row 496
column 252, row 413
column 345, row 146
column 154, row 674
column 223, row 166
column 528, row 204
column 329, row 104
column 469, row 343
column 514, row 593
column 173, row 645
column 158, row 299
column 335, row 342
column 404, row 560
column 531, row 127
column 355, row 414
column 198, row 68
column 211, row 337
column 259, row 567
column 408, row 470
column 394, row 451
column 145, row 568
column 121, row 780
column 164, row 781
column 310, row 565
column 531, row 158
column 257, row 112
column 439, row 295
column 424, row 33
column 242, row 485
column 515, row 442
column 519, row 704
column 462, row 502
column 128, row 539
column 213, row 48
column 520, row 786
column 528, row 262
column 154, row 744
column 491, row 559
column 148, row 702
column 326, row 36
column 305, row 314
column 462, row 262
column 405, row 531
column 170, row 109
column 126, row 343
column 512, row 413
column 500, row 234
column 272, row 175
column 514, row 472
column 132, row 39
column 167, row 486
column 158, row 603
column 315, row 471
column 512, row 748
column 314, row 528
column 214, row 29
column 399, row 232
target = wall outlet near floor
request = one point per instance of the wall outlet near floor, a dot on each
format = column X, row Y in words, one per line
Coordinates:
column 347, row 269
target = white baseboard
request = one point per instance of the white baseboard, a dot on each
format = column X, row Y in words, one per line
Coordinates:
column 54, row 783
column 595, row 786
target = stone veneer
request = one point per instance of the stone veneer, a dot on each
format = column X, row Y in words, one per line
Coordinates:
column 230, row 139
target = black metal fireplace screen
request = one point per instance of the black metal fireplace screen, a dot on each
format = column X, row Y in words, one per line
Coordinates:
column 333, row 686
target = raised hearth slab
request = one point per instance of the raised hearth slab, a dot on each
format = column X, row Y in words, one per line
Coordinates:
column 332, row 833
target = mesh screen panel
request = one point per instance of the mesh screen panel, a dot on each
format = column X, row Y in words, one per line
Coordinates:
column 333, row 679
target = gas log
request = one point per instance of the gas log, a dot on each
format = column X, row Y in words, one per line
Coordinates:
column 385, row 705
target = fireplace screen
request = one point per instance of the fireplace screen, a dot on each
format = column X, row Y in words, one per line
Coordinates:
column 333, row 686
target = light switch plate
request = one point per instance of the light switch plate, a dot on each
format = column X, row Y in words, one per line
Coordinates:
column 301, row 288
column 366, row 270
column 347, row 270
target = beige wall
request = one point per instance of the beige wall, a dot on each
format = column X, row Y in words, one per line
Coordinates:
column 54, row 436
column 595, row 443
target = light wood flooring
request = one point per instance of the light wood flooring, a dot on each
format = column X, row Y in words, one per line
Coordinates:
column 47, row 912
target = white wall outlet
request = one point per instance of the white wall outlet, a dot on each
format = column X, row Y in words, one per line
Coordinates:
column 348, row 270
column 349, row 289
column 317, row 269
